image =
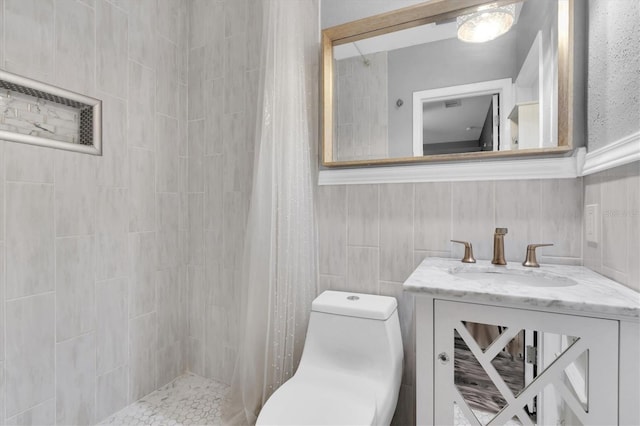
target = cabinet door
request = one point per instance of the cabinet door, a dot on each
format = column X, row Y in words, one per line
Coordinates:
column 480, row 354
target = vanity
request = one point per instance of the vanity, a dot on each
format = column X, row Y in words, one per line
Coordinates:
column 515, row 345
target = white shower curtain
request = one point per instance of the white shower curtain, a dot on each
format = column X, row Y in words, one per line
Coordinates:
column 280, row 258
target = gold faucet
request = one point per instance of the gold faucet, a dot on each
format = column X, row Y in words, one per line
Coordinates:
column 498, row 246
column 531, row 260
column 468, row 252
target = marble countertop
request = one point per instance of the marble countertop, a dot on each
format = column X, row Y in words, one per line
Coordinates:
column 592, row 293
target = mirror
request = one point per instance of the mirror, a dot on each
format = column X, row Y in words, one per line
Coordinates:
column 403, row 86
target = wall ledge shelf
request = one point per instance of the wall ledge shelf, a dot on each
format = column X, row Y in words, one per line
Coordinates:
column 516, row 169
column 618, row 153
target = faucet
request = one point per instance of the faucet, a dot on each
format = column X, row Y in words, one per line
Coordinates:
column 468, row 252
column 531, row 260
column 498, row 246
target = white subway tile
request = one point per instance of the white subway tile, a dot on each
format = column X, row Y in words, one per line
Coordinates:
column 31, row 51
column 332, row 229
column 30, row 239
column 75, row 46
column 41, row 414
column 169, row 310
column 518, row 209
column 142, row 203
column 76, row 381
column 473, row 213
column 432, row 216
column 363, row 221
column 111, row 392
column 362, row 269
column 561, row 217
column 396, row 232
column 111, row 325
column 235, row 56
column 142, row 284
column 167, row 78
column 28, row 163
column 142, row 104
column 143, row 340
column 30, row 352
column 111, row 44
column 143, row 21
column 75, row 193
column 167, row 160
column 75, row 286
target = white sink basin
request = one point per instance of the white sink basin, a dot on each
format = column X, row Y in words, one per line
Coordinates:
column 514, row 278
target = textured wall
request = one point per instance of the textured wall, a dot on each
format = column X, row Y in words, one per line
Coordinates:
column 373, row 236
column 224, row 60
column 91, row 315
column 613, row 105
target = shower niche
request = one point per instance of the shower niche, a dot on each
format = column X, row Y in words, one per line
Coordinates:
column 38, row 113
column 506, row 366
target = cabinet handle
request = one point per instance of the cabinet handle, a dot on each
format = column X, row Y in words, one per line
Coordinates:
column 443, row 357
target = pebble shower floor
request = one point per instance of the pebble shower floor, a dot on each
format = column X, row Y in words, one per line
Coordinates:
column 188, row 400
column 194, row 400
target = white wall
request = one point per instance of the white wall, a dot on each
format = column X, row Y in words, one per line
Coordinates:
column 91, row 274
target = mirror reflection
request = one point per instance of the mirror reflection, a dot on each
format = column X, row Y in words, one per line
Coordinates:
column 459, row 125
column 458, row 85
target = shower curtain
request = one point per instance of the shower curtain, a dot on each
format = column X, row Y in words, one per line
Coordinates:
column 280, row 272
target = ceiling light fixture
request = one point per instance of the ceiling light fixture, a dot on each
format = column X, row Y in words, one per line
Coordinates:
column 486, row 24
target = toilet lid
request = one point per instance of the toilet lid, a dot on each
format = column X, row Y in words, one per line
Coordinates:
column 304, row 404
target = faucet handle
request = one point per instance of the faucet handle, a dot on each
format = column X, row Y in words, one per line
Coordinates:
column 468, row 251
column 501, row 231
column 531, row 260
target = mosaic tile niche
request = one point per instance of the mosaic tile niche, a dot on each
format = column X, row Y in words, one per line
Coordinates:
column 36, row 113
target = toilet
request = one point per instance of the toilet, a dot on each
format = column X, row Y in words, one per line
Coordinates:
column 351, row 365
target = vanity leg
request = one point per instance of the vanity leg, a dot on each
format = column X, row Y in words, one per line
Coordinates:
column 629, row 371
column 424, row 360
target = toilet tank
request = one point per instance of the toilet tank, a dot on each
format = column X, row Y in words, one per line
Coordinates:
column 358, row 334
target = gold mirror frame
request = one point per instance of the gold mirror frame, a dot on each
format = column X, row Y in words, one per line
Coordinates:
column 426, row 13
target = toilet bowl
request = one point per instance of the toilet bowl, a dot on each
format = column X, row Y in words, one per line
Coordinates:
column 351, row 365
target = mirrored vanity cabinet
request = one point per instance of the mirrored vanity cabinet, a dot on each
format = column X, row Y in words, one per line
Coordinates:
column 510, row 345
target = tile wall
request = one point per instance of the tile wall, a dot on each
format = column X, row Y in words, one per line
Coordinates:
column 373, row 236
column 616, row 254
column 224, row 61
column 92, row 281
column 362, row 118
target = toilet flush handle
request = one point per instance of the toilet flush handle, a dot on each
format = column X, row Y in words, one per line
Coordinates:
column 443, row 357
